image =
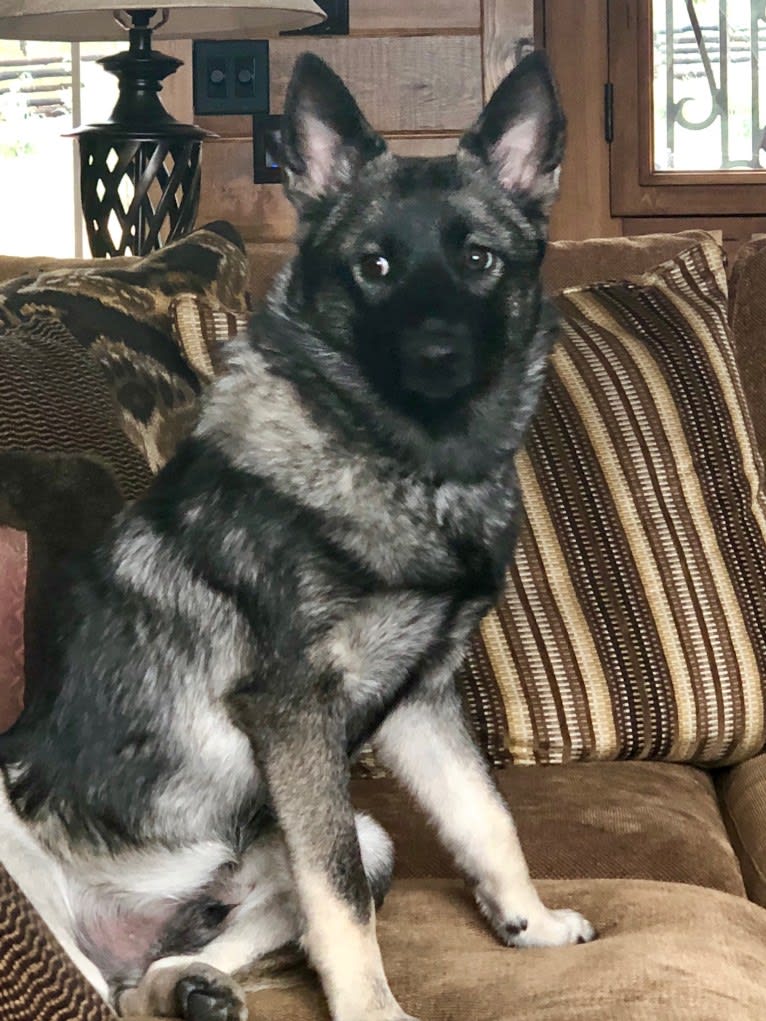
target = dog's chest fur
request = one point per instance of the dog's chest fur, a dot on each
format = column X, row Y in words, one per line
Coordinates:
column 405, row 528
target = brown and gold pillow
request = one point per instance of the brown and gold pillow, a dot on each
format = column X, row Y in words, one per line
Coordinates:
column 632, row 624
column 118, row 315
column 201, row 330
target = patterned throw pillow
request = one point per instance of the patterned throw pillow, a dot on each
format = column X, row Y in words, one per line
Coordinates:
column 632, row 624
column 201, row 329
column 119, row 315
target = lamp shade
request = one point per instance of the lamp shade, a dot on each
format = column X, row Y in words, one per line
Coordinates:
column 93, row 20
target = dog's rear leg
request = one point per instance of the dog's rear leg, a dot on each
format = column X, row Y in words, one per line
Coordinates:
column 200, row 987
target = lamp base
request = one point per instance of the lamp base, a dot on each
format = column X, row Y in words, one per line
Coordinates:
column 137, row 195
column 140, row 170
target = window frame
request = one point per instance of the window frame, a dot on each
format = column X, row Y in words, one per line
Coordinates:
column 637, row 188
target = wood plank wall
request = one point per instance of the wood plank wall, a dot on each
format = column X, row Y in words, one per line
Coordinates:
column 420, row 70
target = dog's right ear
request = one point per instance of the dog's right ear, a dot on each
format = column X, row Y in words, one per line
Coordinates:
column 325, row 137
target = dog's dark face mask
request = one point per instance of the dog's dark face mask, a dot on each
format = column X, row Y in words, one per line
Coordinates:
column 424, row 271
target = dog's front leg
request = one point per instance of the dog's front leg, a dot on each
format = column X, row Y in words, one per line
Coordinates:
column 425, row 742
column 303, row 761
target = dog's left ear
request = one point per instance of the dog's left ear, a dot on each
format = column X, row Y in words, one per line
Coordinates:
column 325, row 137
column 520, row 133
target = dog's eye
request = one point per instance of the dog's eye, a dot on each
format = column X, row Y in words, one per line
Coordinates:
column 374, row 266
column 478, row 259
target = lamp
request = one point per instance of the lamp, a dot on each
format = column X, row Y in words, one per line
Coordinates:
column 140, row 169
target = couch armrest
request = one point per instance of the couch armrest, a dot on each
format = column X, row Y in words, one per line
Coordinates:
column 742, row 796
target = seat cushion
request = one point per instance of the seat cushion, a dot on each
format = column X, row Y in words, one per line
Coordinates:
column 747, row 311
column 665, row 951
column 640, row 820
column 742, row 791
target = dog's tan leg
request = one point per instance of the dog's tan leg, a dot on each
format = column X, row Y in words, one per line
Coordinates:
column 424, row 741
column 304, row 763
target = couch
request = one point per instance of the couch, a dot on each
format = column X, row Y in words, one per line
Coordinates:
column 667, row 859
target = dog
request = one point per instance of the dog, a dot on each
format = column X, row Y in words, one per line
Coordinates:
column 300, row 579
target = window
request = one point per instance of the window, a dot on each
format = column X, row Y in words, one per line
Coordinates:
column 45, row 90
column 689, row 107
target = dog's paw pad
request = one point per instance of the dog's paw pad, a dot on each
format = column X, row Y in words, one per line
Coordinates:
column 555, row 928
column 510, row 931
column 204, row 998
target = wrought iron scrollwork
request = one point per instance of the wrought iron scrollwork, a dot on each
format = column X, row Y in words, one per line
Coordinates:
column 697, row 46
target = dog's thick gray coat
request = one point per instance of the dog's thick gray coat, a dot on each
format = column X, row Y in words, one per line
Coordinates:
column 302, row 578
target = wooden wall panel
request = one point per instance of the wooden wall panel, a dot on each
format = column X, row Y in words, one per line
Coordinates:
column 432, row 83
column 266, row 260
column 425, row 83
column 508, row 31
column 576, row 41
column 403, row 17
column 420, row 70
column 261, row 211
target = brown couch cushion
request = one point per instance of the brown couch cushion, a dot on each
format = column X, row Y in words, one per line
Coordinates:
column 666, row 953
column 632, row 820
column 575, row 263
column 742, row 791
column 631, row 623
column 748, row 322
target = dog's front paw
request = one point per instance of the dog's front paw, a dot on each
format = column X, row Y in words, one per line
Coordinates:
column 538, row 927
column 550, row 928
column 209, row 997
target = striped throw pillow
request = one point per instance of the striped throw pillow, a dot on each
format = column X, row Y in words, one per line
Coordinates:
column 633, row 620
column 201, row 329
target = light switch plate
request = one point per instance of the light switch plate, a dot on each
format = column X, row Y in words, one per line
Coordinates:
column 231, row 76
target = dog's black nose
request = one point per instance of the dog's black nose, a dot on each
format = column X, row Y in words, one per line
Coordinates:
column 437, row 358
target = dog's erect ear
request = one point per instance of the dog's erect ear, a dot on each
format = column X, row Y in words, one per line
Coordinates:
column 520, row 133
column 325, row 137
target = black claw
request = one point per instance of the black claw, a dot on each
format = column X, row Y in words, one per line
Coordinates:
column 515, row 928
column 201, row 1007
column 198, row 998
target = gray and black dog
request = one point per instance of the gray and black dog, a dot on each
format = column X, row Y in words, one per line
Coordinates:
column 300, row 579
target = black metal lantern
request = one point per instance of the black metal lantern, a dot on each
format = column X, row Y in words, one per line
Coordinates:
column 139, row 170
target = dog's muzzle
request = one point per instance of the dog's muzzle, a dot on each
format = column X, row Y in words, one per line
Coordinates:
column 437, row 359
